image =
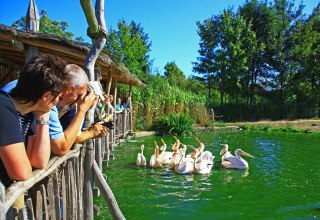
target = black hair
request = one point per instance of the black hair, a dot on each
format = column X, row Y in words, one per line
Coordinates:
column 41, row 74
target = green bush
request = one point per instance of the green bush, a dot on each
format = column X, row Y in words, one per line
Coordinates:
column 174, row 123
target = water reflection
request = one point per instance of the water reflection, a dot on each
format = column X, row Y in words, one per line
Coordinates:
column 234, row 175
column 280, row 180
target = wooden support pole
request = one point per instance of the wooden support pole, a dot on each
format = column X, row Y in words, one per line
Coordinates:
column 107, row 193
column 109, row 83
column 33, row 25
column 2, row 202
column 130, row 113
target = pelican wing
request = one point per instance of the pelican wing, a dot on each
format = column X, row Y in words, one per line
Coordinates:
column 235, row 163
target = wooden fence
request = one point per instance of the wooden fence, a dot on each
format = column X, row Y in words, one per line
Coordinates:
column 57, row 192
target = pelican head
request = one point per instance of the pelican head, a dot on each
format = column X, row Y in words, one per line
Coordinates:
column 156, row 149
column 224, row 148
column 239, row 152
column 142, row 147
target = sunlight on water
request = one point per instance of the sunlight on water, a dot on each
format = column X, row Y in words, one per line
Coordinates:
column 281, row 183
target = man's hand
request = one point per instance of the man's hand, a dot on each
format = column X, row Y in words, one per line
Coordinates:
column 98, row 130
column 86, row 101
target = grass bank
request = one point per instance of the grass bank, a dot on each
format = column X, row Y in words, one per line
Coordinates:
column 301, row 126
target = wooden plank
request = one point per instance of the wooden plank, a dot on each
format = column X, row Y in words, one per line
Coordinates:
column 45, row 205
column 103, row 148
column 81, row 183
column 64, row 196
column 50, row 197
column 98, row 153
column 22, row 214
column 39, row 205
column 57, row 197
column 73, row 191
column 124, row 123
column 87, row 185
column 29, row 208
column 2, row 202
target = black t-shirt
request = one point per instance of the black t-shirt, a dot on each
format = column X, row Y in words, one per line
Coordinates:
column 14, row 128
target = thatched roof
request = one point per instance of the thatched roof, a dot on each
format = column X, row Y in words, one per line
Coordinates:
column 13, row 41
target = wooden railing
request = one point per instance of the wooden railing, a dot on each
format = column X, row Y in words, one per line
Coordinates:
column 57, row 191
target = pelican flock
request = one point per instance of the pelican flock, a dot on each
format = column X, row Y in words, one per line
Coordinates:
column 199, row 161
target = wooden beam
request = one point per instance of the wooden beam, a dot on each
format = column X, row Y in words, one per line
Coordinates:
column 107, row 193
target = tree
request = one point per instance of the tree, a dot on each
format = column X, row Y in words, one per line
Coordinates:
column 47, row 25
column 131, row 46
column 304, row 79
column 171, row 69
column 227, row 43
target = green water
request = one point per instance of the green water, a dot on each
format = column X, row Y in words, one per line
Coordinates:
column 282, row 183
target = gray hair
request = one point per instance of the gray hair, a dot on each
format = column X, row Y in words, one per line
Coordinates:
column 75, row 75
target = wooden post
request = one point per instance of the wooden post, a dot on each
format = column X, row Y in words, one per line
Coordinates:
column 114, row 105
column 130, row 113
column 2, row 202
column 107, row 194
column 109, row 83
column 33, row 23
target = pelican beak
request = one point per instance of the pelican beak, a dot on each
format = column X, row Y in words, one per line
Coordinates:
column 175, row 138
column 247, row 154
column 163, row 141
column 198, row 140
column 223, row 150
column 193, row 148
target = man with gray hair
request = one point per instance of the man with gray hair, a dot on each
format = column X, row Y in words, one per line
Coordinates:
column 75, row 98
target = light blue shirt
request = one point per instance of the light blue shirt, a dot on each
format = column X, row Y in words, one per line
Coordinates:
column 55, row 128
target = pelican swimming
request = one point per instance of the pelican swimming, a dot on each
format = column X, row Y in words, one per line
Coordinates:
column 237, row 162
column 200, row 149
column 176, row 156
column 165, row 157
column 141, row 159
column 203, row 161
column 225, row 152
column 183, row 165
column 154, row 160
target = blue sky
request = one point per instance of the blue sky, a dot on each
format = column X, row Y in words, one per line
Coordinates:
column 170, row 24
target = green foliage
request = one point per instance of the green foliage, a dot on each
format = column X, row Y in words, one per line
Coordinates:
column 130, row 45
column 47, row 25
column 175, row 123
column 261, row 59
column 171, row 69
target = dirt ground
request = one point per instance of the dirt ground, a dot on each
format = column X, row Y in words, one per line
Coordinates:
column 312, row 124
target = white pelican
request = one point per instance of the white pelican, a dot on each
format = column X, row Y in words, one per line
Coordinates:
column 225, row 152
column 141, row 159
column 182, row 164
column 199, row 150
column 154, row 160
column 237, row 162
column 175, row 154
column 165, row 157
column 203, row 161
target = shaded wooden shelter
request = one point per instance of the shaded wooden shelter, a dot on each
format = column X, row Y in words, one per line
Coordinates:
column 58, row 187
column 14, row 43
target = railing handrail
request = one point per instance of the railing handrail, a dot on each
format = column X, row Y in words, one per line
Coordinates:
column 17, row 188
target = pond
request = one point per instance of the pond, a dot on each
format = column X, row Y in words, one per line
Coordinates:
column 281, row 183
